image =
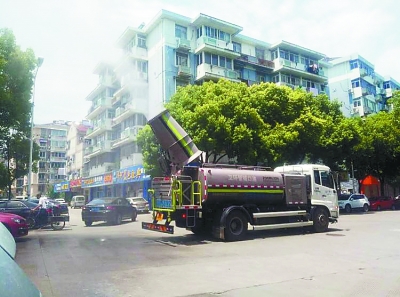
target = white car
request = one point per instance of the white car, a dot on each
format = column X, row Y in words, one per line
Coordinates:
column 61, row 200
column 350, row 202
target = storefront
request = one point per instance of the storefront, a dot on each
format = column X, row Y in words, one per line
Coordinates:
column 127, row 182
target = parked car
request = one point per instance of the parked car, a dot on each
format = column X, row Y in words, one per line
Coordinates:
column 77, row 201
column 381, row 203
column 15, row 207
column 139, row 203
column 60, row 200
column 15, row 224
column 350, row 202
column 15, row 282
column 110, row 210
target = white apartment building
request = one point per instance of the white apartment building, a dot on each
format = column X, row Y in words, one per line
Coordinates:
column 52, row 141
column 362, row 91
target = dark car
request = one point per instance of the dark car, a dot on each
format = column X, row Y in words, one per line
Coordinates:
column 15, row 224
column 110, row 210
column 15, row 207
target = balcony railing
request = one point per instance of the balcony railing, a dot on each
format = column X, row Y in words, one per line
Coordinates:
column 183, row 44
column 256, row 61
column 183, row 71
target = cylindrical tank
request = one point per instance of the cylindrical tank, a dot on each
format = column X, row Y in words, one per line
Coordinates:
column 174, row 139
column 230, row 185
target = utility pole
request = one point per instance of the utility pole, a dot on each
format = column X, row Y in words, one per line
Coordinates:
column 352, row 174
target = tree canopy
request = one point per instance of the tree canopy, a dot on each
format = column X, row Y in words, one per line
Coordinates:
column 16, row 82
column 269, row 125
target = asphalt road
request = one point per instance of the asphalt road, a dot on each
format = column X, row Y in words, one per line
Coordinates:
column 358, row 257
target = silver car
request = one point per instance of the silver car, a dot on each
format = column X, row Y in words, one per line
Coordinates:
column 139, row 203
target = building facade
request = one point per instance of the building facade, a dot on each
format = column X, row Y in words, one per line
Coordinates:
column 52, row 141
column 362, row 91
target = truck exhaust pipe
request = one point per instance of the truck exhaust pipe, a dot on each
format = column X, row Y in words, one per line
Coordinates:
column 174, row 139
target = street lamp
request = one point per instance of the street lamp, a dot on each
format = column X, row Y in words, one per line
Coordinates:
column 29, row 190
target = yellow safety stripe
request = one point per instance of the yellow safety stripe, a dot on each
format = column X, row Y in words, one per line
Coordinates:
column 244, row 191
column 178, row 136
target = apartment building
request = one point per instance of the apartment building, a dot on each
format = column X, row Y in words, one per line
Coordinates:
column 52, row 141
column 354, row 82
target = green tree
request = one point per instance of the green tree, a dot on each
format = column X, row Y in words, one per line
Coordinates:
column 16, row 81
column 151, row 151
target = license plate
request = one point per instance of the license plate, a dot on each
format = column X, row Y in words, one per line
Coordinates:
column 95, row 209
column 158, row 228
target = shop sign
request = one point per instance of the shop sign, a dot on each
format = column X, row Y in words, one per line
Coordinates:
column 130, row 174
column 108, row 178
column 93, row 181
column 61, row 187
column 75, row 183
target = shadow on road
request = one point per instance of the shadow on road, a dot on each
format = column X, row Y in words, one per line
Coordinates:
column 103, row 224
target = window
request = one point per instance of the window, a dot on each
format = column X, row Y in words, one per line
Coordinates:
column 199, row 32
column 222, row 61
column 141, row 41
column 237, row 47
column 327, row 180
column 181, row 83
column 207, row 58
column 386, row 85
column 141, row 66
column 228, row 63
column 182, row 59
column 317, row 178
column 199, row 59
column 355, row 83
column 260, row 53
column 214, row 60
column 180, row 31
column 353, row 64
column 217, row 34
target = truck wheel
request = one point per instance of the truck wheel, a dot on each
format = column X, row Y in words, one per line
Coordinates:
column 236, row 226
column 365, row 208
column 347, row 208
column 321, row 220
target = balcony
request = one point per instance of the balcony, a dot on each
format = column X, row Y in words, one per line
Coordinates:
column 215, row 46
column 98, row 149
column 128, row 135
column 122, row 113
column 184, row 72
column 183, row 44
column 314, row 72
column 261, row 64
column 57, row 159
column 210, row 72
column 99, row 106
column 101, row 127
column 138, row 52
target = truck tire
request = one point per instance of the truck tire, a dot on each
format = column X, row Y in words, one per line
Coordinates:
column 320, row 220
column 236, row 226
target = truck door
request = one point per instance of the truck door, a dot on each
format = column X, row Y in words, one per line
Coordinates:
column 324, row 191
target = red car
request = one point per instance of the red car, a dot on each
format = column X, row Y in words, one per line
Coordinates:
column 381, row 203
column 15, row 224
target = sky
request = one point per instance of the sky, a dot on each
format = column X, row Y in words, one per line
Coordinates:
column 74, row 36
